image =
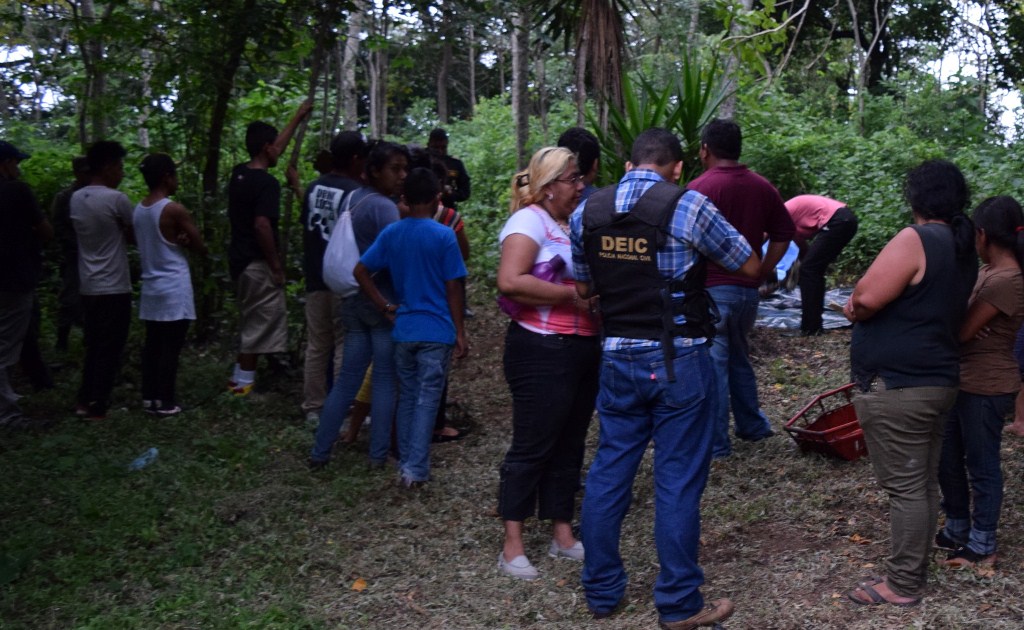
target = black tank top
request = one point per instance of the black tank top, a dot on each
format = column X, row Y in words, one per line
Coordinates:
column 912, row 341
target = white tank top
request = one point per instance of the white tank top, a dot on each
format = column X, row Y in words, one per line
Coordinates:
column 166, row 282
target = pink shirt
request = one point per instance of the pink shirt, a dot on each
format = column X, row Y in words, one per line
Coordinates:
column 559, row 319
column 810, row 213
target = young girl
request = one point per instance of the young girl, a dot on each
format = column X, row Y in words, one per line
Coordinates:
column 989, row 382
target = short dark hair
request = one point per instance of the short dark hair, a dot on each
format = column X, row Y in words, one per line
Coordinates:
column 656, row 146
column 936, row 190
column 104, row 153
column 584, row 144
column 380, row 152
column 421, row 186
column 155, row 167
column 347, row 145
column 723, row 139
column 258, row 135
column 80, row 165
column 437, row 134
column 424, row 158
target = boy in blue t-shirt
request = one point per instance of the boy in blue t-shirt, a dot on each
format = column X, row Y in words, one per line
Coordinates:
column 425, row 264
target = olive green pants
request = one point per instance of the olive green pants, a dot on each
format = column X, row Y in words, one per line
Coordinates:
column 903, row 431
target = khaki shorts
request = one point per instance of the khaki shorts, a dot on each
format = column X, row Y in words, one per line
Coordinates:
column 264, row 314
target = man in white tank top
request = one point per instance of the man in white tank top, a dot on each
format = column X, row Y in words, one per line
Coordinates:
column 163, row 229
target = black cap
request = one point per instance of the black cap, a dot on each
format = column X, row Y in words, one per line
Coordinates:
column 8, row 151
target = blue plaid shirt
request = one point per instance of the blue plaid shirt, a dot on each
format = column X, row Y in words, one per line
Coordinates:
column 697, row 228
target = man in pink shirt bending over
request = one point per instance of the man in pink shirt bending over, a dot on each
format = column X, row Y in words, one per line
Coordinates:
column 823, row 228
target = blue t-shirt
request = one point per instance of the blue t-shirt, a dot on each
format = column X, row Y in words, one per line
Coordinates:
column 421, row 255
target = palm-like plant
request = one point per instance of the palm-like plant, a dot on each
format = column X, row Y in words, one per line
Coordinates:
column 682, row 106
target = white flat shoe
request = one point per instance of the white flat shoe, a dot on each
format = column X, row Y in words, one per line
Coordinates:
column 573, row 553
column 518, row 567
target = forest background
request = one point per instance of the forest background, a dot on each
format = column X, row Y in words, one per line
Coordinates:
column 227, row 528
column 836, row 98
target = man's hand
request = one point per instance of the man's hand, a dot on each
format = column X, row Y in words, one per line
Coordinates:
column 461, row 347
column 277, row 275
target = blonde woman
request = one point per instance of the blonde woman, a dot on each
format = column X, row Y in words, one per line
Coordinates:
column 552, row 357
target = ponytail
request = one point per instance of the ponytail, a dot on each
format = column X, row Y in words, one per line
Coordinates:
column 1002, row 219
column 963, row 236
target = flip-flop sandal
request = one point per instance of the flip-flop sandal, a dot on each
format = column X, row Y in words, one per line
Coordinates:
column 876, row 597
column 441, row 438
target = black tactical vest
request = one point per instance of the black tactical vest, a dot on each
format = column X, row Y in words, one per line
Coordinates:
column 621, row 250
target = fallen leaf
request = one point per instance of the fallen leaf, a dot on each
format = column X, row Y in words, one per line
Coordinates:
column 359, row 585
column 560, row 582
column 868, row 565
column 858, row 539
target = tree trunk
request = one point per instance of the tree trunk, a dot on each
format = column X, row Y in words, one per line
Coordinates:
column 582, row 53
column 222, row 83
column 520, row 68
column 443, row 74
column 542, row 101
column 93, row 122
column 472, row 70
column 348, row 96
column 728, row 108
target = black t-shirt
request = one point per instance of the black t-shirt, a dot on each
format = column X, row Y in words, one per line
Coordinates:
column 321, row 206
column 457, row 181
column 21, row 256
column 251, row 193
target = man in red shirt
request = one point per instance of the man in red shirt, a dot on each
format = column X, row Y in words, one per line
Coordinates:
column 754, row 207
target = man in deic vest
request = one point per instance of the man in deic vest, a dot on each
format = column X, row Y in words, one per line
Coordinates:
column 641, row 247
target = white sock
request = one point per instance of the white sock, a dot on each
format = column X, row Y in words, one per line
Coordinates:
column 246, row 377
column 234, row 374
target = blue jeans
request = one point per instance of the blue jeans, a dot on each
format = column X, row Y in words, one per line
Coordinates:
column 422, row 369
column 969, row 468
column 367, row 338
column 735, row 382
column 637, row 403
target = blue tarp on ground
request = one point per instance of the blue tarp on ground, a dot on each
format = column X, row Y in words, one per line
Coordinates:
column 782, row 309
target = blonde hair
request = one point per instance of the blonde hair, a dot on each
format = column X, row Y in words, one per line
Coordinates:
column 545, row 166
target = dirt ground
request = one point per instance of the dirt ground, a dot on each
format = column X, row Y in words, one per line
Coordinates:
column 785, row 534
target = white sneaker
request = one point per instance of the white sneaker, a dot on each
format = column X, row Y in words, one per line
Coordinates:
column 518, row 567
column 573, row 553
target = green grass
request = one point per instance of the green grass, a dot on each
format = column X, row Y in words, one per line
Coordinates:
column 213, row 534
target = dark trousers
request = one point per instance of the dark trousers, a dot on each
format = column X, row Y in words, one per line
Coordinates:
column 553, row 379
column 164, row 341
column 105, row 323
column 824, row 248
column 31, row 360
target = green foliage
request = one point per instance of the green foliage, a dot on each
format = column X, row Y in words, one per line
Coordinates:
column 683, row 106
column 211, row 534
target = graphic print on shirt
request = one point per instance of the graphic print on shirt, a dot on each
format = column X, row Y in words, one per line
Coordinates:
column 324, row 202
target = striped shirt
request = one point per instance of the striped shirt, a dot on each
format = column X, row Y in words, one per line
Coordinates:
column 696, row 228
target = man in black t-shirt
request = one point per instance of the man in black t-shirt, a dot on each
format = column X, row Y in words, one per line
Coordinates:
column 23, row 230
column 254, row 197
column 456, row 185
column 321, row 205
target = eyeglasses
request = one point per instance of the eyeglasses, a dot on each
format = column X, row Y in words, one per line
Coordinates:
column 574, row 179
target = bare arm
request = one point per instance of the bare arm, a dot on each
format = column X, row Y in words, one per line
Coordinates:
column 776, row 250
column 515, row 280
column 369, row 287
column 750, row 269
column 900, row 264
column 265, row 239
column 286, row 134
column 460, row 237
column 979, row 315
column 453, row 291
column 182, row 229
